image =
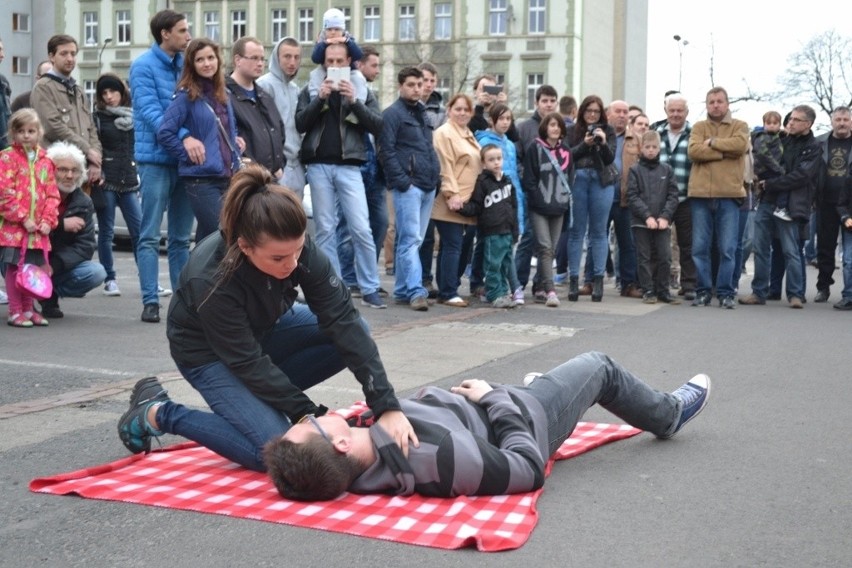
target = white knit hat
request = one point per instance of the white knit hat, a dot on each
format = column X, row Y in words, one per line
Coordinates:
column 333, row 18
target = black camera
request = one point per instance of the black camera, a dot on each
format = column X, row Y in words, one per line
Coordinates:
column 591, row 130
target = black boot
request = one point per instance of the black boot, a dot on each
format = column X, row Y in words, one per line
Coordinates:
column 50, row 307
column 597, row 289
column 573, row 289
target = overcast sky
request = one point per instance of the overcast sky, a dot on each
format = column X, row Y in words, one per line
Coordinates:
column 751, row 42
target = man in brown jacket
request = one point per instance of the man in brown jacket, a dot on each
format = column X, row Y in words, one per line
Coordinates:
column 62, row 105
column 717, row 148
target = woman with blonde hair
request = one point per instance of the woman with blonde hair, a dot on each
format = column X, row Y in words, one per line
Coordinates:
column 458, row 155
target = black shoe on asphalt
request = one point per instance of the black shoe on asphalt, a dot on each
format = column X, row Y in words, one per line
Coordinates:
column 773, row 297
column 51, row 311
column 822, row 296
column 667, row 298
column 133, row 427
column 151, row 313
column 845, row 304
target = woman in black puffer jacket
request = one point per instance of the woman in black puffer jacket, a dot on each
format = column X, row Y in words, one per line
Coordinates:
column 120, row 186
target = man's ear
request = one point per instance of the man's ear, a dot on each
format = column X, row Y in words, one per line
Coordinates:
column 343, row 444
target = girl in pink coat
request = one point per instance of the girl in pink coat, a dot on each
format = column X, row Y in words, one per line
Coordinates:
column 29, row 203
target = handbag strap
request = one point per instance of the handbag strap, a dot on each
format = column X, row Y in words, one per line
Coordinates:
column 563, row 180
column 222, row 130
column 21, row 260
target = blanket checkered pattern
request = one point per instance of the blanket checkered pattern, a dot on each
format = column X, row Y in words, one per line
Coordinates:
column 189, row 477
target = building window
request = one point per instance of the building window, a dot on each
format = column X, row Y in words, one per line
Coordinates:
column 211, row 26
column 238, row 24
column 444, row 87
column 122, row 27
column 279, row 25
column 306, row 25
column 534, row 81
column 497, row 17
column 90, row 28
column 20, row 65
column 537, row 11
column 443, row 20
column 407, row 23
column 20, row 22
column 372, row 23
column 189, row 26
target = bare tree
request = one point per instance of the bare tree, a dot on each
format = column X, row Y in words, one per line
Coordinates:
column 819, row 71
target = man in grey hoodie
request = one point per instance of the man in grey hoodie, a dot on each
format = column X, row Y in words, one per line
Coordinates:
column 283, row 66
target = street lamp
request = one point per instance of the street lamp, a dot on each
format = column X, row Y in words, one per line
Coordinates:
column 101, row 53
column 681, row 43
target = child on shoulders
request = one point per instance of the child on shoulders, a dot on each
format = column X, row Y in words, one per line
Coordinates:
column 334, row 31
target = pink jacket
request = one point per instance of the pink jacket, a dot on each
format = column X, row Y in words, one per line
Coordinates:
column 27, row 190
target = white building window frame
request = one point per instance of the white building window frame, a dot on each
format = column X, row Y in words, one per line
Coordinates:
column 443, row 29
column 407, row 22
column 306, row 26
column 534, row 81
column 498, row 12
column 239, row 24
column 372, row 23
column 123, row 27
column 278, row 19
column 90, row 29
column 212, row 26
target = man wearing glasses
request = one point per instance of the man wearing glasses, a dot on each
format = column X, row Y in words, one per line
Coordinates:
column 477, row 438
column 802, row 162
column 259, row 126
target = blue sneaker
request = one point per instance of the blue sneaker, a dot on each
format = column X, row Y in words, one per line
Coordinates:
column 373, row 300
column 133, row 427
column 560, row 279
column 693, row 397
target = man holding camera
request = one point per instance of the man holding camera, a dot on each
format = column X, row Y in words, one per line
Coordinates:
column 486, row 92
column 334, row 122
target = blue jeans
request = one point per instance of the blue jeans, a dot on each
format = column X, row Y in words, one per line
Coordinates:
column 449, row 256
column 205, row 197
column 75, row 283
column 569, row 390
column 846, row 235
column 160, row 190
column 378, row 211
column 241, row 423
column 765, row 225
column 719, row 218
column 128, row 201
column 592, row 204
column 810, row 244
column 333, row 184
column 412, row 208
column 745, row 232
column 627, row 271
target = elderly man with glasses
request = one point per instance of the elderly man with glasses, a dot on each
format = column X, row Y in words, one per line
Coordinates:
column 73, row 242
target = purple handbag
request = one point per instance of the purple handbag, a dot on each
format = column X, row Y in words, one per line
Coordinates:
column 34, row 279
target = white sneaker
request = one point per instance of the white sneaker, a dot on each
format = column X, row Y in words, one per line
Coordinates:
column 782, row 214
column 111, row 288
column 163, row 292
column 518, row 297
column 4, row 299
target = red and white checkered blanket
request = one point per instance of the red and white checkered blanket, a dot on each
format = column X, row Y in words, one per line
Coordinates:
column 189, row 477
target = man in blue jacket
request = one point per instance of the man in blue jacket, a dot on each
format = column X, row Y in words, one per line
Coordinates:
column 153, row 78
column 411, row 170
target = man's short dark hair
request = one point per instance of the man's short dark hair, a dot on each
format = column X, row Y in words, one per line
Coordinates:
column 164, row 20
column 369, row 50
column 545, row 91
column 635, row 107
column 567, row 104
column 428, row 66
column 481, row 77
column 807, row 111
column 310, row 471
column 407, row 72
column 59, row 39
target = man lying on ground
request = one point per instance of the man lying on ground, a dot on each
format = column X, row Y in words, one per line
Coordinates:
column 476, row 439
